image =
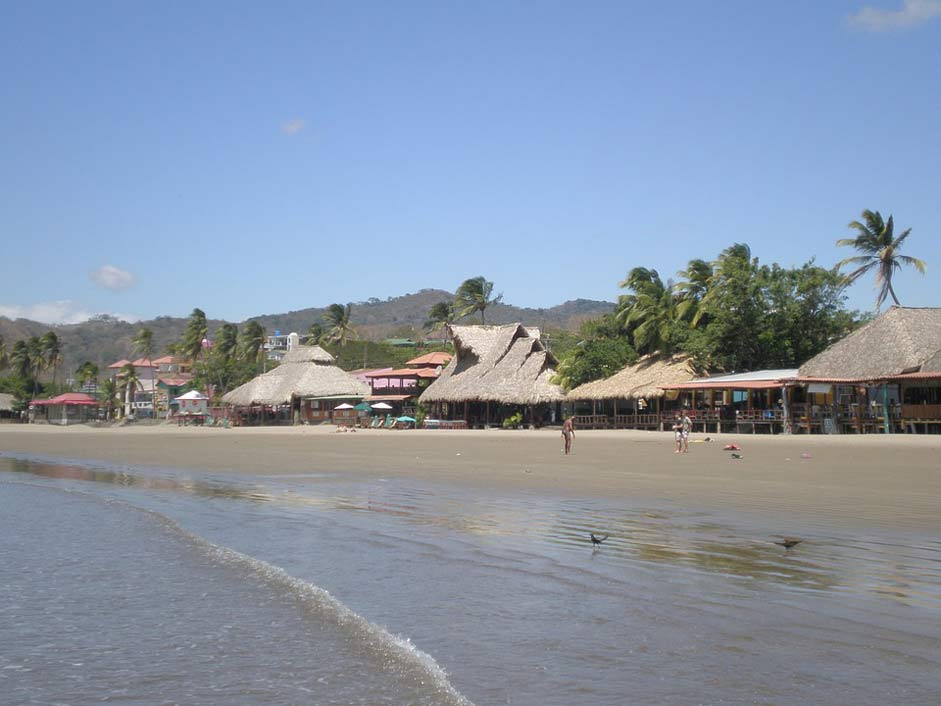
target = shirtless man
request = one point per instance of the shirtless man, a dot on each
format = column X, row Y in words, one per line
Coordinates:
column 568, row 433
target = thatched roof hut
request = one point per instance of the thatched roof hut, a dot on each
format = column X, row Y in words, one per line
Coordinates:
column 645, row 378
column 902, row 340
column 505, row 364
column 306, row 371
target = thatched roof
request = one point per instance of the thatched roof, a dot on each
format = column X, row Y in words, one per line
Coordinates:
column 306, row 371
column 496, row 364
column 6, row 402
column 902, row 340
column 642, row 379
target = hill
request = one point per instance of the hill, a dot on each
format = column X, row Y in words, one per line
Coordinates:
column 105, row 339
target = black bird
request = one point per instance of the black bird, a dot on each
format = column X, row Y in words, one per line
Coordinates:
column 788, row 542
column 736, row 456
column 597, row 540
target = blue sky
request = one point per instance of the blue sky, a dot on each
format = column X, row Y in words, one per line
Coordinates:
column 251, row 158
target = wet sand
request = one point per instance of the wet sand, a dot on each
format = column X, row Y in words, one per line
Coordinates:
column 800, row 483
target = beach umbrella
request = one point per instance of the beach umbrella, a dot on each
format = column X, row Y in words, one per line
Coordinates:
column 344, row 406
column 362, row 407
column 382, row 405
column 405, row 419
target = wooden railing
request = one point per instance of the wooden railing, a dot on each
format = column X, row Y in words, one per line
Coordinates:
column 921, row 411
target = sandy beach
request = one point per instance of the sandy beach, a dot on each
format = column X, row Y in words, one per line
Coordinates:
column 873, row 482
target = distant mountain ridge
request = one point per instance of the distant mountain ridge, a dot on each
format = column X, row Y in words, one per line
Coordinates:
column 105, row 339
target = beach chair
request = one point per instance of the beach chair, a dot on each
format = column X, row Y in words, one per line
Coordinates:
column 390, row 422
column 376, row 422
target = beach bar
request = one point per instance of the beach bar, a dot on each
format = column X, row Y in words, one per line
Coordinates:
column 632, row 398
column 306, row 388
column 497, row 373
column 885, row 377
column 65, row 409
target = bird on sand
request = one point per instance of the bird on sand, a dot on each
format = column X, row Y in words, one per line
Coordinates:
column 597, row 540
column 736, row 456
column 788, row 542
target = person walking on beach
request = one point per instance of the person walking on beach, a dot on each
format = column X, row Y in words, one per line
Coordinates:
column 568, row 433
column 687, row 427
column 678, row 433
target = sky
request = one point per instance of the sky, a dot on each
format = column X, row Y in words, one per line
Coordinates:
column 253, row 158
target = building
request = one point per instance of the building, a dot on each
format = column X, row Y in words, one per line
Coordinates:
column 65, row 409
column 632, row 398
column 497, row 372
column 401, row 387
column 304, row 388
column 883, row 377
column 142, row 402
column 277, row 346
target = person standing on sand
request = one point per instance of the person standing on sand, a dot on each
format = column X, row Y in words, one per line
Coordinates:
column 678, row 433
column 568, row 433
column 687, row 425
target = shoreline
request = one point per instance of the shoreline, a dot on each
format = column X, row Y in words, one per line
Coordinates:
column 872, row 482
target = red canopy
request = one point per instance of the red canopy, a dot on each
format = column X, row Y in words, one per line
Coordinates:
column 69, row 398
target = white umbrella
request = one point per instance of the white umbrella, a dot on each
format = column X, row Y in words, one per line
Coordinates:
column 381, row 405
column 344, row 406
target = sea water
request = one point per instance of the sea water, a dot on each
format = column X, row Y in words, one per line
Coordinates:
column 158, row 586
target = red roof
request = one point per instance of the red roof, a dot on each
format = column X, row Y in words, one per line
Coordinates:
column 175, row 382
column 68, row 398
column 120, row 364
column 432, row 359
column 143, row 363
column 391, row 398
column 166, row 360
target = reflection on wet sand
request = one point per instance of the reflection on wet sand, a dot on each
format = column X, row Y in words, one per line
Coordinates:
column 907, row 573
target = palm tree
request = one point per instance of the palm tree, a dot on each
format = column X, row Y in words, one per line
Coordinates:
column 227, row 341
column 475, row 295
column 130, row 382
column 52, row 352
column 692, row 288
column 20, row 360
column 314, row 334
column 4, row 360
column 192, row 341
column 37, row 360
column 144, row 343
column 108, row 392
column 86, row 372
column 439, row 316
column 650, row 312
column 253, row 338
column 880, row 252
column 337, row 317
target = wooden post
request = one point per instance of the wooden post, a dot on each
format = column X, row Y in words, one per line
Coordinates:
column 885, row 408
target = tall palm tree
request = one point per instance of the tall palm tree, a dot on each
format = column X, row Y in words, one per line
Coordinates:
column 314, row 334
column 337, row 317
column 86, row 372
column 144, row 343
column 439, row 316
column 475, row 295
column 37, row 360
column 692, row 287
column 4, row 358
column 252, row 339
column 650, row 312
column 52, row 352
column 196, row 330
column 108, row 393
column 130, row 382
column 880, row 247
column 20, row 360
column 227, row 341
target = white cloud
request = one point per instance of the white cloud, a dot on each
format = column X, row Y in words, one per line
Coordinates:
column 292, row 127
column 912, row 14
column 59, row 312
column 113, row 278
